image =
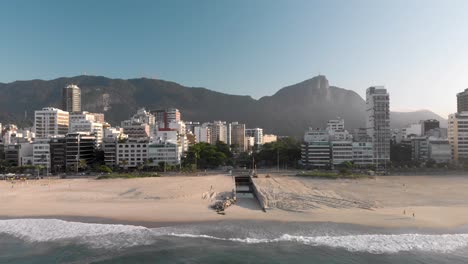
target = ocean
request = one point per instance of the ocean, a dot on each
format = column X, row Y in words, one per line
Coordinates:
column 60, row 241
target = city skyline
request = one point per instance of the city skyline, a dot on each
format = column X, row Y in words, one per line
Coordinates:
column 252, row 48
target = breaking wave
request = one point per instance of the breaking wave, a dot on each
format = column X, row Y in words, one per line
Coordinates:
column 119, row 236
column 375, row 243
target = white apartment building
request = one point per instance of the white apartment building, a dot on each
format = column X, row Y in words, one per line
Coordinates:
column 341, row 151
column 136, row 130
column 179, row 126
column 337, row 131
column 340, row 135
column 9, row 135
column 51, row 122
column 249, row 142
column 257, row 133
column 88, row 126
column 167, row 135
column 458, row 135
column 336, row 124
column 419, row 149
column 219, row 132
column 167, row 152
column 142, row 116
column 363, row 154
column 172, row 115
column 413, row 130
column 439, row 150
column 203, row 133
column 41, row 153
column 378, row 123
column 131, row 153
column 316, row 151
column 95, row 117
column 316, row 134
column 112, row 132
column 316, row 154
column 142, row 124
column 268, row 138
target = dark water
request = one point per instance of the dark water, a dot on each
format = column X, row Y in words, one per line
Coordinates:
column 57, row 241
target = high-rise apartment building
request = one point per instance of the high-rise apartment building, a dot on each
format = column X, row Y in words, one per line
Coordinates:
column 165, row 152
column 458, row 136
column 219, row 132
column 378, row 123
column 165, row 116
column 257, row 133
column 173, row 115
column 439, row 150
column 51, row 122
column 419, row 149
column 79, row 147
column 462, row 101
column 57, row 154
column 71, row 98
column 341, row 151
column 237, row 136
column 87, row 126
column 363, row 154
column 41, row 153
column 427, row 125
column 132, row 152
column 203, row 133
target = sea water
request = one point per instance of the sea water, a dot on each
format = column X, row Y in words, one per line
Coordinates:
column 59, row 241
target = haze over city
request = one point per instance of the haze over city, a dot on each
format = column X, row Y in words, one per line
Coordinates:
column 415, row 48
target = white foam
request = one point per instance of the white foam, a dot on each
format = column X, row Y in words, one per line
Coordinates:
column 387, row 243
column 97, row 235
column 375, row 243
column 111, row 236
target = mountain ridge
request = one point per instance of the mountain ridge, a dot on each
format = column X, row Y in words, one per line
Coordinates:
column 289, row 111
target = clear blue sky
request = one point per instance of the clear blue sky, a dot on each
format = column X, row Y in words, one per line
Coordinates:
column 417, row 49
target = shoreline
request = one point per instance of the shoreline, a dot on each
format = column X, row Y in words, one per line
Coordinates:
column 343, row 226
column 384, row 202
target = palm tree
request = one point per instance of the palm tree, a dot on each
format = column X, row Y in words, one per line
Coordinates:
column 124, row 163
column 82, row 164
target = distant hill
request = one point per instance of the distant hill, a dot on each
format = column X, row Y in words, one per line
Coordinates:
column 290, row 111
column 402, row 119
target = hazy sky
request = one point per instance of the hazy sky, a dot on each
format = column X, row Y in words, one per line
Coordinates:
column 417, row 49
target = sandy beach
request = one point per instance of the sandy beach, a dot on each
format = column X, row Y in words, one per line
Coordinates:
column 388, row 201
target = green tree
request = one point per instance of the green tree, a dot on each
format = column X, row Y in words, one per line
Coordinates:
column 224, row 148
column 286, row 150
column 82, row 164
column 4, row 166
column 207, row 156
column 430, row 163
column 123, row 163
column 103, row 168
